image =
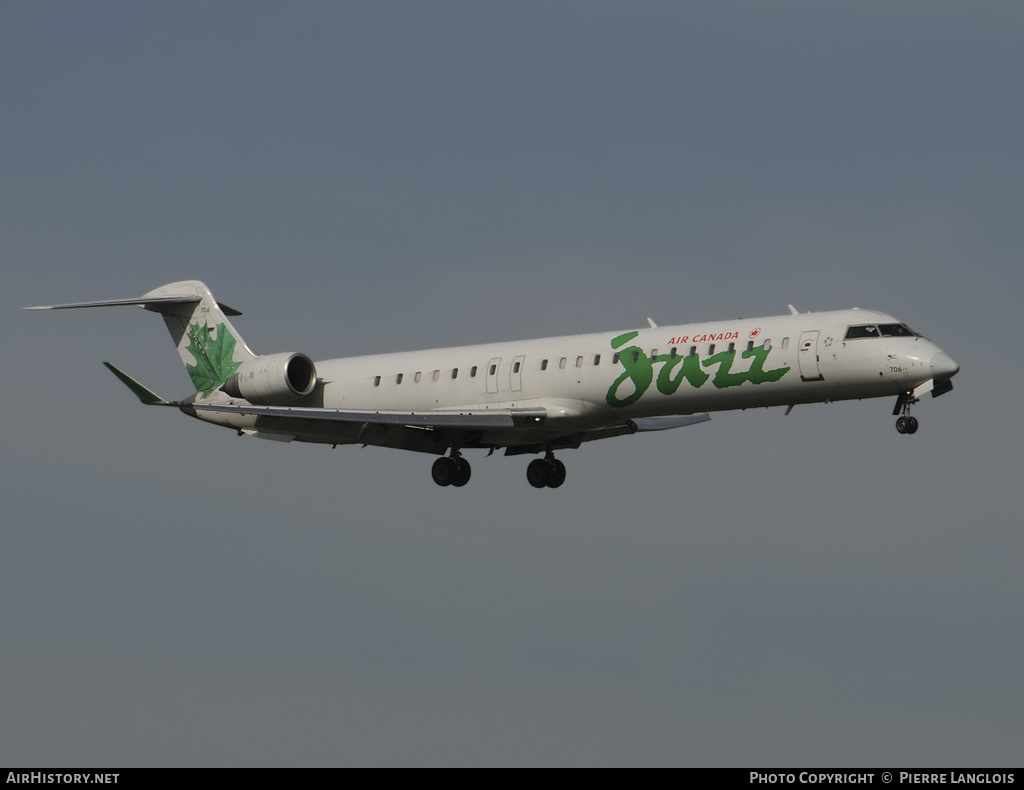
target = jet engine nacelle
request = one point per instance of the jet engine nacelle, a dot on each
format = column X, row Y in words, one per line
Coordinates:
column 273, row 379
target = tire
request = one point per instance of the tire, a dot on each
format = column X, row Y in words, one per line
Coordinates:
column 902, row 425
column 557, row 474
column 537, row 473
column 443, row 471
column 462, row 472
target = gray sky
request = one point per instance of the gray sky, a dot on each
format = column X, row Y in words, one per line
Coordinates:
column 360, row 177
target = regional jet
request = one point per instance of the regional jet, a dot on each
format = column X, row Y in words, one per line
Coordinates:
column 537, row 396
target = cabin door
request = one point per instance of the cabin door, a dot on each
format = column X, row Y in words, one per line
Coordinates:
column 808, row 357
column 516, row 376
column 492, row 375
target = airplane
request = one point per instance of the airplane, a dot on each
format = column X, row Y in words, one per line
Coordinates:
column 536, row 396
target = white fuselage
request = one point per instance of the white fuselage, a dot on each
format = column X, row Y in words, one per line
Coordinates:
column 588, row 382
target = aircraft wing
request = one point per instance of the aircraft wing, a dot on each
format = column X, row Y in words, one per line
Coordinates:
column 465, row 420
column 469, row 419
column 411, row 429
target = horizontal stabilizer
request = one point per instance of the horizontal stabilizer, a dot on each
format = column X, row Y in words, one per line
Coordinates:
column 147, row 301
column 141, row 301
column 666, row 423
column 145, row 395
column 465, row 420
column 208, row 345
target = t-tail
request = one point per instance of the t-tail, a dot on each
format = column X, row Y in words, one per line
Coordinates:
column 209, row 346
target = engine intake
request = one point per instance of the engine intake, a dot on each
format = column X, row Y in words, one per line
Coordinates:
column 273, row 379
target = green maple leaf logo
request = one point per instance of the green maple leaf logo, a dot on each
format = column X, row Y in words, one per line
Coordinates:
column 214, row 356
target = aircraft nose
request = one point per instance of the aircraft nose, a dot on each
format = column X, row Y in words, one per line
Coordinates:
column 943, row 367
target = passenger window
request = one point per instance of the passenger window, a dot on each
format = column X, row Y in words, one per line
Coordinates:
column 455, row 373
column 561, row 363
column 615, row 358
column 693, row 351
column 398, row 379
column 636, row 356
column 493, row 370
column 711, row 350
column 515, row 368
column 767, row 344
column 376, row 381
column 597, row 359
column 654, row 353
column 785, row 342
column 417, row 377
column 472, row 372
column 437, row 375
column 543, row 364
column 750, row 345
column 579, row 362
column 732, row 348
column 673, row 353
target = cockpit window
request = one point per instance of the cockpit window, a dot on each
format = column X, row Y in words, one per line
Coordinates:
column 882, row 330
column 862, row 331
column 896, row 330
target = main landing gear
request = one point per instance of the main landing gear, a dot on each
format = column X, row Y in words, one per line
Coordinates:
column 451, row 471
column 546, row 472
column 454, row 470
column 905, row 423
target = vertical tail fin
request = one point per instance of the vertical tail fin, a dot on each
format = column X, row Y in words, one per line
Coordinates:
column 208, row 344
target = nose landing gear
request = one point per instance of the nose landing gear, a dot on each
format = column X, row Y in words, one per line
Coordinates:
column 905, row 423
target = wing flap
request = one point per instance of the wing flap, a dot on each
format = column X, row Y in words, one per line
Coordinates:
column 467, row 420
column 644, row 424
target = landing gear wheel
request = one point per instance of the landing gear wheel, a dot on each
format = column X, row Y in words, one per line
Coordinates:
column 546, row 472
column 557, row 473
column 537, row 473
column 462, row 472
column 444, row 471
column 906, row 423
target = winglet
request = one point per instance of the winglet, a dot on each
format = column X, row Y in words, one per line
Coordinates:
column 793, row 310
column 147, row 396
